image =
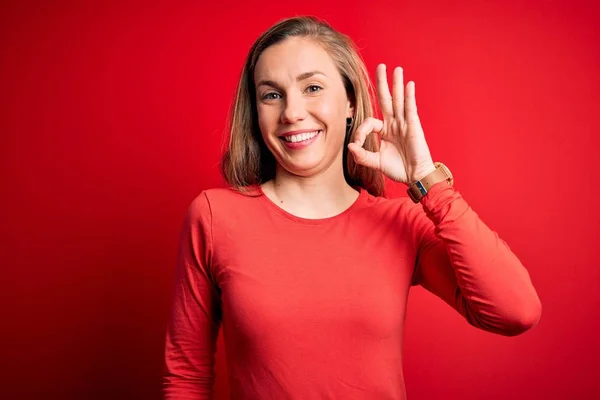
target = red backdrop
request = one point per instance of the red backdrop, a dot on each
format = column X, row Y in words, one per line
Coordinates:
column 112, row 120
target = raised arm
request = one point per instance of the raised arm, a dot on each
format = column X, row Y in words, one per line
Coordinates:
column 195, row 314
column 465, row 263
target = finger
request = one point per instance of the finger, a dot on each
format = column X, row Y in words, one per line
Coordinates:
column 364, row 157
column 383, row 93
column 367, row 127
column 398, row 94
column 412, row 117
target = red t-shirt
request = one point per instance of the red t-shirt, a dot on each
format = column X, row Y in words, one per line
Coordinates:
column 315, row 309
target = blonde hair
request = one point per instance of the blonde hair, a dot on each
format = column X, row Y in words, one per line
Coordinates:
column 247, row 161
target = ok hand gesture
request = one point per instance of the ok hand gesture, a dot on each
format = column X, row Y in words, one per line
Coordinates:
column 403, row 154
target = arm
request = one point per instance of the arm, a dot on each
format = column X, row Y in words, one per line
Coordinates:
column 195, row 314
column 466, row 264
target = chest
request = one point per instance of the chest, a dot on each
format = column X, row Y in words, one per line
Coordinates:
column 314, row 276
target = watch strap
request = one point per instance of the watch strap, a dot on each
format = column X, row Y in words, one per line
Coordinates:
column 418, row 189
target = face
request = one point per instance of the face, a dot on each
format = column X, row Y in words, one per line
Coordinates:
column 302, row 106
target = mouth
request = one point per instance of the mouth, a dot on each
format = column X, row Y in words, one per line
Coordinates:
column 301, row 137
column 301, row 140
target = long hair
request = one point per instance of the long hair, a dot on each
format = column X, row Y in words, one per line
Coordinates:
column 247, row 161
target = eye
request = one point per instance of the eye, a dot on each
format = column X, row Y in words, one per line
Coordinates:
column 314, row 88
column 270, row 96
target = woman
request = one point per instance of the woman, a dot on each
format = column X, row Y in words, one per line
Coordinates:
column 302, row 261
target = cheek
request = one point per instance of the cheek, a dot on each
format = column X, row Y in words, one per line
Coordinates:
column 268, row 122
column 267, row 119
column 331, row 109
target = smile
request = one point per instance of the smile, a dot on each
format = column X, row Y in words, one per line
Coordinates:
column 301, row 140
column 301, row 137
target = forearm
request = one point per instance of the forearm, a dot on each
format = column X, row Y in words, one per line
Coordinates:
column 492, row 288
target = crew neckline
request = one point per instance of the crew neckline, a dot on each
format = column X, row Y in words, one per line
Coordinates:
column 362, row 195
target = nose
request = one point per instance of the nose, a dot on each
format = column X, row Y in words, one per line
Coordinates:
column 294, row 109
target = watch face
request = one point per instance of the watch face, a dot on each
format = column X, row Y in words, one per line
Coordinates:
column 421, row 188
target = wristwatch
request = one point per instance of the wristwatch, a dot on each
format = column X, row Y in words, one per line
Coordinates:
column 418, row 189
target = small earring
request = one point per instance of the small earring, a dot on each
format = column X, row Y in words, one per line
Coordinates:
column 348, row 122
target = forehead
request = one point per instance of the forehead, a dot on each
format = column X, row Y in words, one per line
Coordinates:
column 292, row 57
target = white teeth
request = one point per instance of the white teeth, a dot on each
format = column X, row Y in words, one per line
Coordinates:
column 301, row 137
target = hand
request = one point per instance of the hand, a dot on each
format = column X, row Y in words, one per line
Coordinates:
column 403, row 154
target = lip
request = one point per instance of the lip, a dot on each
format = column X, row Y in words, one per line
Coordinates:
column 303, row 144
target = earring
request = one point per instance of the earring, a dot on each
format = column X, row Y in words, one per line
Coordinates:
column 348, row 122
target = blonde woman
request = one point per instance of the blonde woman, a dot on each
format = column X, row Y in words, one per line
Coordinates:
column 302, row 261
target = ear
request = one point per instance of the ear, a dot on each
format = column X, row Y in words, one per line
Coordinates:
column 350, row 110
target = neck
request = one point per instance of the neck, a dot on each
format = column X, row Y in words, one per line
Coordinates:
column 319, row 196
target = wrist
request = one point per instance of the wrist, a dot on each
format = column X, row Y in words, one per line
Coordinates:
column 421, row 173
column 425, row 179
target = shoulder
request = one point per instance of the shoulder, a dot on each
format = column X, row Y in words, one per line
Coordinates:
column 221, row 200
column 399, row 214
column 398, row 206
column 228, row 197
column 230, row 194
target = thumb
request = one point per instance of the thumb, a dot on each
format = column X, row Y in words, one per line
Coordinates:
column 363, row 156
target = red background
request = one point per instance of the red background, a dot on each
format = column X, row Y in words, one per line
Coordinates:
column 112, row 120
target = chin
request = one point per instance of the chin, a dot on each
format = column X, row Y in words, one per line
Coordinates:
column 305, row 167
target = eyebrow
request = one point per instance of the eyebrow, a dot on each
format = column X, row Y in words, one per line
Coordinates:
column 301, row 77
